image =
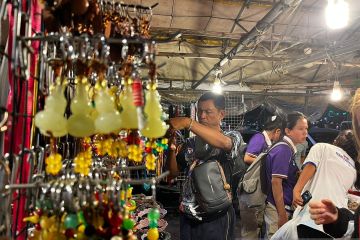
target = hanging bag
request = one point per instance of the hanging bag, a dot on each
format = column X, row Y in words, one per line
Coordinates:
column 212, row 192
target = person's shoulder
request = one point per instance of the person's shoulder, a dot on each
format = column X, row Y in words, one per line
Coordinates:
column 235, row 136
column 281, row 147
column 320, row 146
column 233, row 133
column 258, row 137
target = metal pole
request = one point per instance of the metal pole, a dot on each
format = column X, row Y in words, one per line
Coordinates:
column 251, row 37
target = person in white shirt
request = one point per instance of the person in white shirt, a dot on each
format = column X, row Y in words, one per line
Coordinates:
column 328, row 172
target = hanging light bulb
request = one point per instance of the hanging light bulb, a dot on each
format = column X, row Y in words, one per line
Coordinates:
column 217, row 83
column 337, row 14
column 217, row 86
column 336, row 94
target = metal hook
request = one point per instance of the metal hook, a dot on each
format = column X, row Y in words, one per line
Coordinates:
column 41, row 158
column 31, row 160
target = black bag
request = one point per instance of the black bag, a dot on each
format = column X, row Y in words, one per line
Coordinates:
column 212, row 192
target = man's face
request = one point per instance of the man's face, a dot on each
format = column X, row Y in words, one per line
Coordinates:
column 209, row 115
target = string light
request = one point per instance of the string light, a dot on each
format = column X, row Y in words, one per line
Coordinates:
column 337, row 14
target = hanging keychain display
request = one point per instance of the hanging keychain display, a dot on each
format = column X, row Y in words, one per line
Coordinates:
column 102, row 119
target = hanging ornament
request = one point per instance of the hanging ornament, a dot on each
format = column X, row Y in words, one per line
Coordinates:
column 150, row 162
column 108, row 119
column 129, row 119
column 83, row 162
column 153, row 217
column 80, row 123
column 135, row 153
column 103, row 146
column 154, row 127
column 71, row 221
column 138, row 99
column 53, row 164
column 51, row 120
column 119, row 149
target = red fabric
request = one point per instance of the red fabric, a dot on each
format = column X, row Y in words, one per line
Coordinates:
column 18, row 123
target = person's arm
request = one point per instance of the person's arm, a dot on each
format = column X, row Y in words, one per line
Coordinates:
column 249, row 159
column 340, row 226
column 213, row 137
column 335, row 220
column 254, row 148
column 306, row 174
column 277, row 190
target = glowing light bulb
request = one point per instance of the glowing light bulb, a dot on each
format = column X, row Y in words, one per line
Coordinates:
column 336, row 94
column 217, row 86
column 337, row 14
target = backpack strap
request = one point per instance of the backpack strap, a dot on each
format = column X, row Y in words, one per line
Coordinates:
column 282, row 142
column 226, row 185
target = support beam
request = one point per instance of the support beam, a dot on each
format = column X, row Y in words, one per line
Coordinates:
column 315, row 58
column 237, row 93
column 217, row 56
column 286, row 86
column 237, row 19
column 252, row 37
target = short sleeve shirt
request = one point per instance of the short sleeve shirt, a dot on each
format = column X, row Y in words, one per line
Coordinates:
column 257, row 145
column 280, row 162
column 335, row 175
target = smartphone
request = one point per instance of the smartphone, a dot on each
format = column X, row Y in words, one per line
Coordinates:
column 306, row 196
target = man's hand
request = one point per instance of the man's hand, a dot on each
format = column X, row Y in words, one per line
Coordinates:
column 297, row 199
column 323, row 212
column 283, row 218
column 180, row 123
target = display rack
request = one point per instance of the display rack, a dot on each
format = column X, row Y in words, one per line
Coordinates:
column 42, row 67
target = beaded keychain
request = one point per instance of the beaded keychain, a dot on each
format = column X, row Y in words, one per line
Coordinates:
column 54, row 160
column 83, row 159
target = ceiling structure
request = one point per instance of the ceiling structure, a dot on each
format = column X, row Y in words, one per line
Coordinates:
column 269, row 48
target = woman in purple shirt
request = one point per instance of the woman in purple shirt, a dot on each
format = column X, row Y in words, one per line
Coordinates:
column 260, row 142
column 281, row 172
